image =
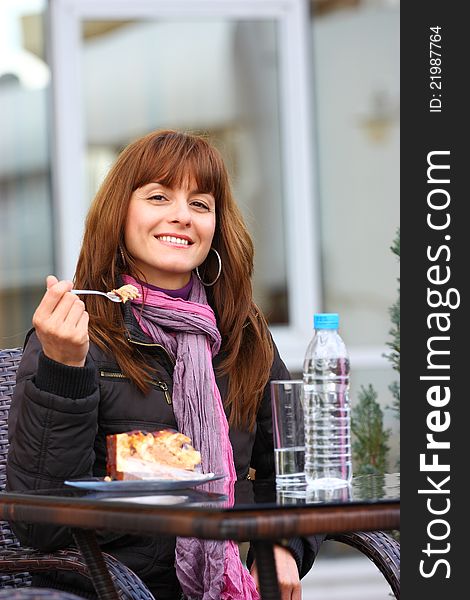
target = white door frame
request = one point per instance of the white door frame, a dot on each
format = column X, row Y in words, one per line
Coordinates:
column 68, row 142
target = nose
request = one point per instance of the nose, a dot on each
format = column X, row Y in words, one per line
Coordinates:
column 181, row 212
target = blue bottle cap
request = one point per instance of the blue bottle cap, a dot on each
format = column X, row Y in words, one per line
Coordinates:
column 326, row 320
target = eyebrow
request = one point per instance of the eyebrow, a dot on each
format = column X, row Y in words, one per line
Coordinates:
column 196, row 191
column 191, row 192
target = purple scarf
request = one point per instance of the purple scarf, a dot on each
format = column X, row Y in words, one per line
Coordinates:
column 206, row 569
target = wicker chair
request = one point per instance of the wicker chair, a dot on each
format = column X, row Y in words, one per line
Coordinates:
column 17, row 563
column 30, row 593
column 379, row 547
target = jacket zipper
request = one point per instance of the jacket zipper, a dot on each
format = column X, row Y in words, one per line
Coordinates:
column 115, row 374
column 152, row 345
column 159, row 384
column 164, row 387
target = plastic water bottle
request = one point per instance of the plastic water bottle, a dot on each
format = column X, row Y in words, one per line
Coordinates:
column 326, row 406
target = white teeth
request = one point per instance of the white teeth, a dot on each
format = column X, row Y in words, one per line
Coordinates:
column 173, row 240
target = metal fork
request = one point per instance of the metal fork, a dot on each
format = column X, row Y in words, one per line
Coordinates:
column 110, row 295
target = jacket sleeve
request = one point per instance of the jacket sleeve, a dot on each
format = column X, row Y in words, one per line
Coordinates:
column 304, row 549
column 51, row 428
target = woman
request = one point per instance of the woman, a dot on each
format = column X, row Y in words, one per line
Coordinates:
column 165, row 221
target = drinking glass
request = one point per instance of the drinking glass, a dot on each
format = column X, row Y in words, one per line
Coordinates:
column 288, row 431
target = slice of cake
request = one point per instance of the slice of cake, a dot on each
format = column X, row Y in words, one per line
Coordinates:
column 160, row 454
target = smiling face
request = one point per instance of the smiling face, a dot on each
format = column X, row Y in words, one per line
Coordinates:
column 169, row 231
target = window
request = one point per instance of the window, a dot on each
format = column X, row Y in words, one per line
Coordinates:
column 26, row 252
column 234, row 69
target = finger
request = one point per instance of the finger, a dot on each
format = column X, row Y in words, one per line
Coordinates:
column 55, row 287
column 74, row 317
column 76, row 333
column 297, row 592
column 54, row 310
column 285, row 593
column 59, row 292
column 254, row 574
column 52, row 297
column 50, row 281
column 83, row 323
column 285, row 590
column 67, row 342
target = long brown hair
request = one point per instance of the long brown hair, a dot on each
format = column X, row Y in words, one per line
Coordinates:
column 170, row 157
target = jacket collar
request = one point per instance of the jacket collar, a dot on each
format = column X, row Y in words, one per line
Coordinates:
column 137, row 337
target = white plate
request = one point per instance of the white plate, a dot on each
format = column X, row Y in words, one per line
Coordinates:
column 141, row 485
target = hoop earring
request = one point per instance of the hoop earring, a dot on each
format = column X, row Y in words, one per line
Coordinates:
column 218, row 273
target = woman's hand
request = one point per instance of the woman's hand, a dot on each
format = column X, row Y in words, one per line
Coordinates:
column 61, row 324
column 287, row 574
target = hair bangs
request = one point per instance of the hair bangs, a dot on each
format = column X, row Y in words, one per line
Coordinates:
column 180, row 160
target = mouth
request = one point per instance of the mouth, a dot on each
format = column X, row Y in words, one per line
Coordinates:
column 173, row 239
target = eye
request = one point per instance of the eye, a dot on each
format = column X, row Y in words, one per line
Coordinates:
column 158, row 198
column 200, row 205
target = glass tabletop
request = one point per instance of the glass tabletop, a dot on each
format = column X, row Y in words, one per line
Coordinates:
column 244, row 494
column 363, row 489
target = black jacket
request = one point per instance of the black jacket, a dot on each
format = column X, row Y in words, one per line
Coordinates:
column 58, row 422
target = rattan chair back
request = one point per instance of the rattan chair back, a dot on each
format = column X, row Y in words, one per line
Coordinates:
column 9, row 361
column 16, row 562
column 33, row 593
